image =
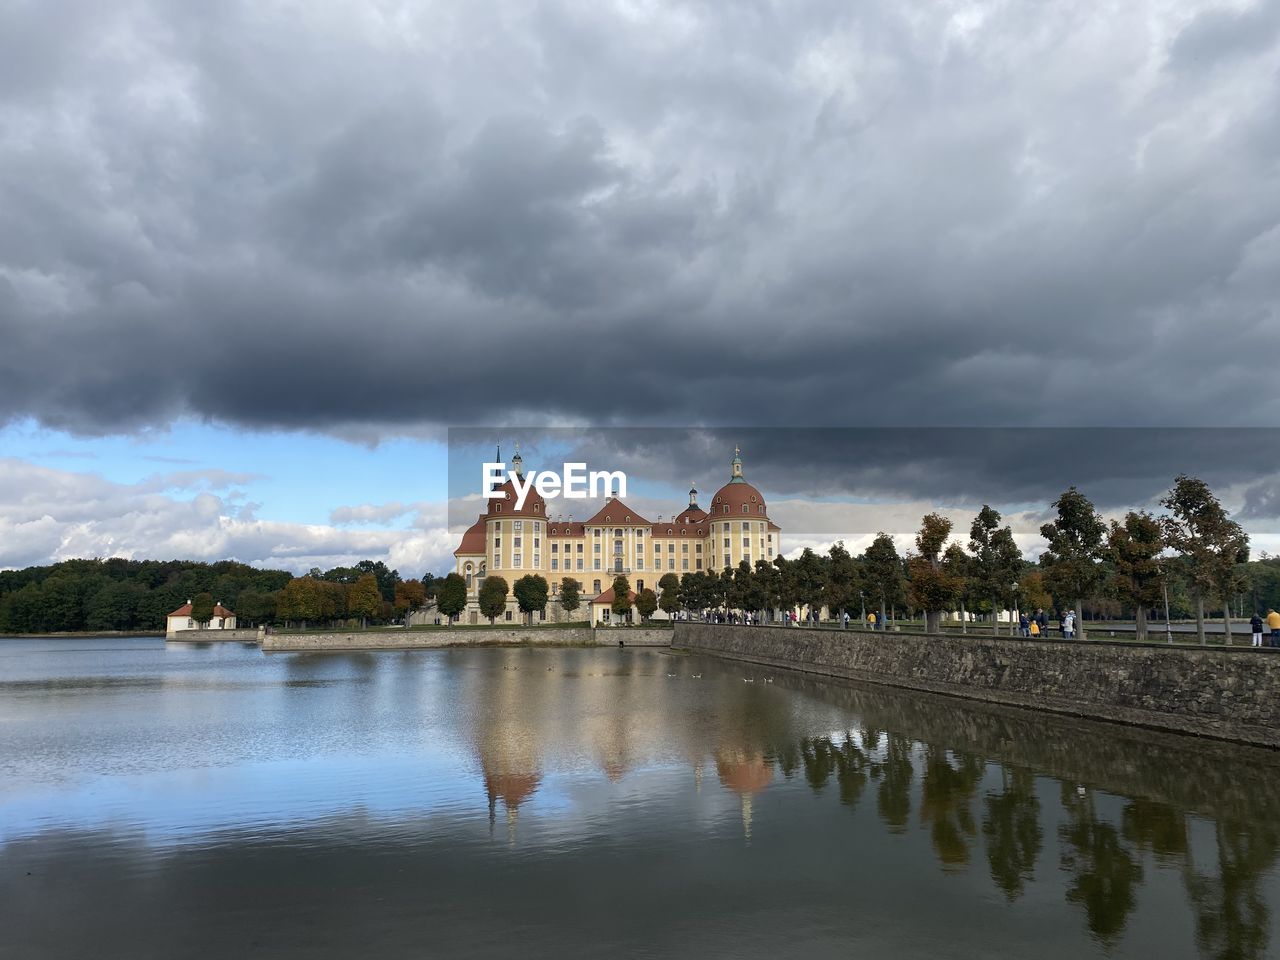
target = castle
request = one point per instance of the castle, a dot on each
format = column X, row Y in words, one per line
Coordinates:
column 513, row 542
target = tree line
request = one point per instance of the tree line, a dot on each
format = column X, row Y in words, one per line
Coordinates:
column 118, row 594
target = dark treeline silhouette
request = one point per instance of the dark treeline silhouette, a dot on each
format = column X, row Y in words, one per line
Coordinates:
column 117, row 594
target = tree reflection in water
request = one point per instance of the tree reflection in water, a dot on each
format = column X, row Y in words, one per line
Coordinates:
column 1231, row 914
column 1105, row 873
column 1012, row 831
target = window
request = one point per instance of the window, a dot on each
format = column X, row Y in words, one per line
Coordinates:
column 762, row 509
column 657, row 547
column 537, row 527
column 497, row 508
column 519, row 524
column 671, row 564
column 555, row 547
column 516, row 544
column 671, row 548
column 515, row 560
column 697, row 548
column 618, row 533
column 726, row 543
column 537, row 560
column 497, row 543
column 468, row 580
column 579, row 548
column 639, row 585
column 596, row 564
column 617, row 548
column 640, row 533
column 190, row 623
column 595, row 548
column 726, row 508
column 579, row 563
column 537, row 542
column 684, row 548
column 555, row 564
column 746, row 542
column 508, row 616
column 542, row 614
column 639, row 563
column 745, row 508
column 771, row 551
column 595, row 585
column 698, row 565
column 684, row 563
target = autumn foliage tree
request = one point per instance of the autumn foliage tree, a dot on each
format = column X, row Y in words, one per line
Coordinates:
column 933, row 582
column 364, row 599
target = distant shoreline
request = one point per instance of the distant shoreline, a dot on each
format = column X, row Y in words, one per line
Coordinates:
column 82, row 634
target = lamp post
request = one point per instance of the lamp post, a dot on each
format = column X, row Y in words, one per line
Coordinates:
column 862, row 603
column 1014, row 619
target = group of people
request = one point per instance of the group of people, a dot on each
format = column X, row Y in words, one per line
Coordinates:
column 1037, row 625
column 1272, row 623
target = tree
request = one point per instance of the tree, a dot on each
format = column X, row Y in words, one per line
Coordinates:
column 646, row 603
column 451, row 596
column 531, row 594
column 961, row 566
column 842, row 586
column 996, row 562
column 364, row 599
column 809, row 579
column 570, row 598
column 669, row 596
column 695, row 592
column 202, row 609
column 769, row 583
column 934, row 583
column 1212, row 544
column 1032, row 592
column 1070, row 564
column 882, row 570
column 410, row 596
column 621, row 604
column 1133, row 550
column 493, row 597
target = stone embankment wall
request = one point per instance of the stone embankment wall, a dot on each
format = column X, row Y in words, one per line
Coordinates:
column 1223, row 693
column 214, row 636
column 462, row 636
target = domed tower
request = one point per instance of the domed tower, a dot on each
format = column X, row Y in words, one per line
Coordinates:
column 740, row 524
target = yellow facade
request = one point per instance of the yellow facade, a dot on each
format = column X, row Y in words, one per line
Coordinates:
column 512, row 543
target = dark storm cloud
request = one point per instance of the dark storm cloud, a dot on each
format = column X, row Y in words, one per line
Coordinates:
column 1118, row 468
column 378, row 217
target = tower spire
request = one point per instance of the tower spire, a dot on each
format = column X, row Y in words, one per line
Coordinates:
column 736, row 467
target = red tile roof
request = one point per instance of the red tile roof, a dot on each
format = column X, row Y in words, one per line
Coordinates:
column 218, row 611
column 617, row 513
column 472, row 544
column 607, row 597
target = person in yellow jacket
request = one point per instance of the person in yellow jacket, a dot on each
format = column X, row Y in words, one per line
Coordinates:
column 1273, row 624
column 1034, row 628
column 871, row 620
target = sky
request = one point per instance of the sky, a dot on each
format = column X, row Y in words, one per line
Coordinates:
column 257, row 259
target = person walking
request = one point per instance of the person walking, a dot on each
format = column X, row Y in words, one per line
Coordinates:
column 1273, row 624
column 1255, row 626
column 1069, row 625
column 1041, row 621
column 1024, row 625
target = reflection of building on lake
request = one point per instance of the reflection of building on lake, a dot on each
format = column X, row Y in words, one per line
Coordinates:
column 746, row 773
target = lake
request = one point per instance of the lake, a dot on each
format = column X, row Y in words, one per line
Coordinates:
column 176, row 800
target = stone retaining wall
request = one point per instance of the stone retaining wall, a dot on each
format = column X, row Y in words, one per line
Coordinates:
column 215, row 636
column 1223, row 693
column 465, row 636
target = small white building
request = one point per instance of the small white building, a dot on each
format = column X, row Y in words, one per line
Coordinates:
column 180, row 620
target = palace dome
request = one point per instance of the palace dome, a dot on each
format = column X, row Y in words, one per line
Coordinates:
column 505, row 505
column 735, row 495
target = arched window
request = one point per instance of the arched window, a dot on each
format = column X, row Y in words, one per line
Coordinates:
column 617, row 532
column 745, row 508
column 726, row 508
column 596, row 586
column 497, row 508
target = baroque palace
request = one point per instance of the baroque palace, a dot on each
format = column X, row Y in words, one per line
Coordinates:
column 512, row 543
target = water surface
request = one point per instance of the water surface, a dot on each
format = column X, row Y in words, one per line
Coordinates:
column 204, row 801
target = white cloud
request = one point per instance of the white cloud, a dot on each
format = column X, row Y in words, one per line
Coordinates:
column 48, row 515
